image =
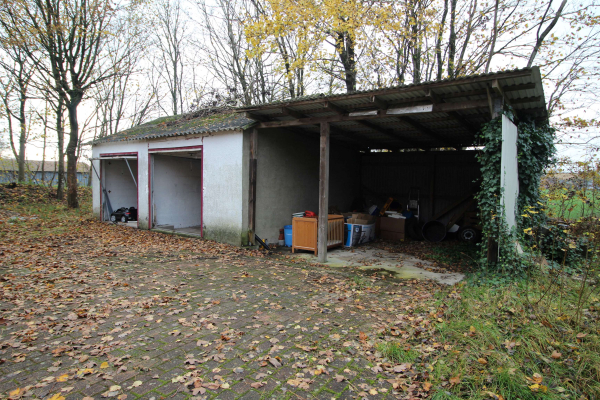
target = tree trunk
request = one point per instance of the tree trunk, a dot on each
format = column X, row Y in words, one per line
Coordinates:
column 72, row 201
column 452, row 40
column 22, row 138
column 60, row 132
column 438, row 42
column 44, row 148
column 494, row 35
column 345, row 45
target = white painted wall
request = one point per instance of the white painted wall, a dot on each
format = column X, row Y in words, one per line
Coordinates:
column 223, row 180
column 119, row 183
column 177, row 191
column 120, row 147
column 509, row 180
column 288, row 179
column 223, row 187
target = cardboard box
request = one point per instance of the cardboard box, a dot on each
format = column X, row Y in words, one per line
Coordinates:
column 355, row 234
column 392, row 224
column 392, row 236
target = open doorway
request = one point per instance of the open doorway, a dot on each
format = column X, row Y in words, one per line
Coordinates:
column 119, row 188
column 176, row 190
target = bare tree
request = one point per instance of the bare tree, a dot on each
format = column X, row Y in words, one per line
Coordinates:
column 247, row 79
column 18, row 72
column 170, row 40
column 68, row 40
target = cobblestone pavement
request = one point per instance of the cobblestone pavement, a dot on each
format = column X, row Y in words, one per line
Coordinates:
column 122, row 314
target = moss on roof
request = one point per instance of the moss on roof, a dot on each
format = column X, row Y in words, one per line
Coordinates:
column 203, row 121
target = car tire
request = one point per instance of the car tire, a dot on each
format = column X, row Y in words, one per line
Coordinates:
column 468, row 234
column 113, row 218
column 124, row 219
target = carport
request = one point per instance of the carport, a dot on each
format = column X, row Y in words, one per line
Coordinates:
column 390, row 140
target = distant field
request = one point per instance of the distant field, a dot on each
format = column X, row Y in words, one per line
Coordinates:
column 574, row 206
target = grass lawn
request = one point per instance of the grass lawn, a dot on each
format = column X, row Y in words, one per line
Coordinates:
column 571, row 205
column 520, row 340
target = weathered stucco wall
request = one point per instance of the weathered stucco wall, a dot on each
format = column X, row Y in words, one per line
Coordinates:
column 119, row 184
column 223, row 187
column 177, row 191
column 288, row 178
column 120, row 147
column 223, row 180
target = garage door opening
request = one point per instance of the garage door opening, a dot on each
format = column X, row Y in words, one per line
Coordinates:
column 176, row 190
column 119, row 191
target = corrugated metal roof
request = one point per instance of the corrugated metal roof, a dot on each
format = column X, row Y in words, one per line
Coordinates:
column 522, row 88
column 344, row 97
column 465, row 99
column 181, row 125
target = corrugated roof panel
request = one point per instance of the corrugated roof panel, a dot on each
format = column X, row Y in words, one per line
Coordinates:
column 181, row 125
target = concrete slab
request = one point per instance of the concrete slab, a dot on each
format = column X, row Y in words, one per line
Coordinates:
column 396, row 265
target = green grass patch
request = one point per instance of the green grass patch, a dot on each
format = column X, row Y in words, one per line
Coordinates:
column 571, row 205
column 396, row 353
column 520, row 340
column 455, row 253
column 32, row 211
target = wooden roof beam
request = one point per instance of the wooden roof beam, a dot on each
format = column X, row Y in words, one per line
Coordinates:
column 379, row 102
column 342, row 116
column 498, row 89
column 335, row 108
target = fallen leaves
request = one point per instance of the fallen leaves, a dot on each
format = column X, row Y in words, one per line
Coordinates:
column 556, row 355
column 300, row 383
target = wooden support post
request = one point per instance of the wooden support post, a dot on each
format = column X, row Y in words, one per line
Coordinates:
column 252, row 187
column 323, row 193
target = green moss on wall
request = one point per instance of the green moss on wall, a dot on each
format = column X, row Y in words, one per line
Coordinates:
column 225, row 234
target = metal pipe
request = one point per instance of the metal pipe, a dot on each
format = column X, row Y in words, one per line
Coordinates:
column 131, row 172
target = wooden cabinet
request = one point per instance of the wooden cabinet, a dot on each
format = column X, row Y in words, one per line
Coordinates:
column 304, row 233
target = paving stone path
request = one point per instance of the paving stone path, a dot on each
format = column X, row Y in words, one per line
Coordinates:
column 95, row 320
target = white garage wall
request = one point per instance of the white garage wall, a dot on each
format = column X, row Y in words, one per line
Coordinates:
column 124, row 147
column 223, row 187
column 119, row 183
column 177, row 191
column 223, row 180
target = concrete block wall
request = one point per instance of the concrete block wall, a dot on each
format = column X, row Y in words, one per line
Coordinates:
column 119, row 183
column 288, row 178
column 222, row 188
column 177, row 191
